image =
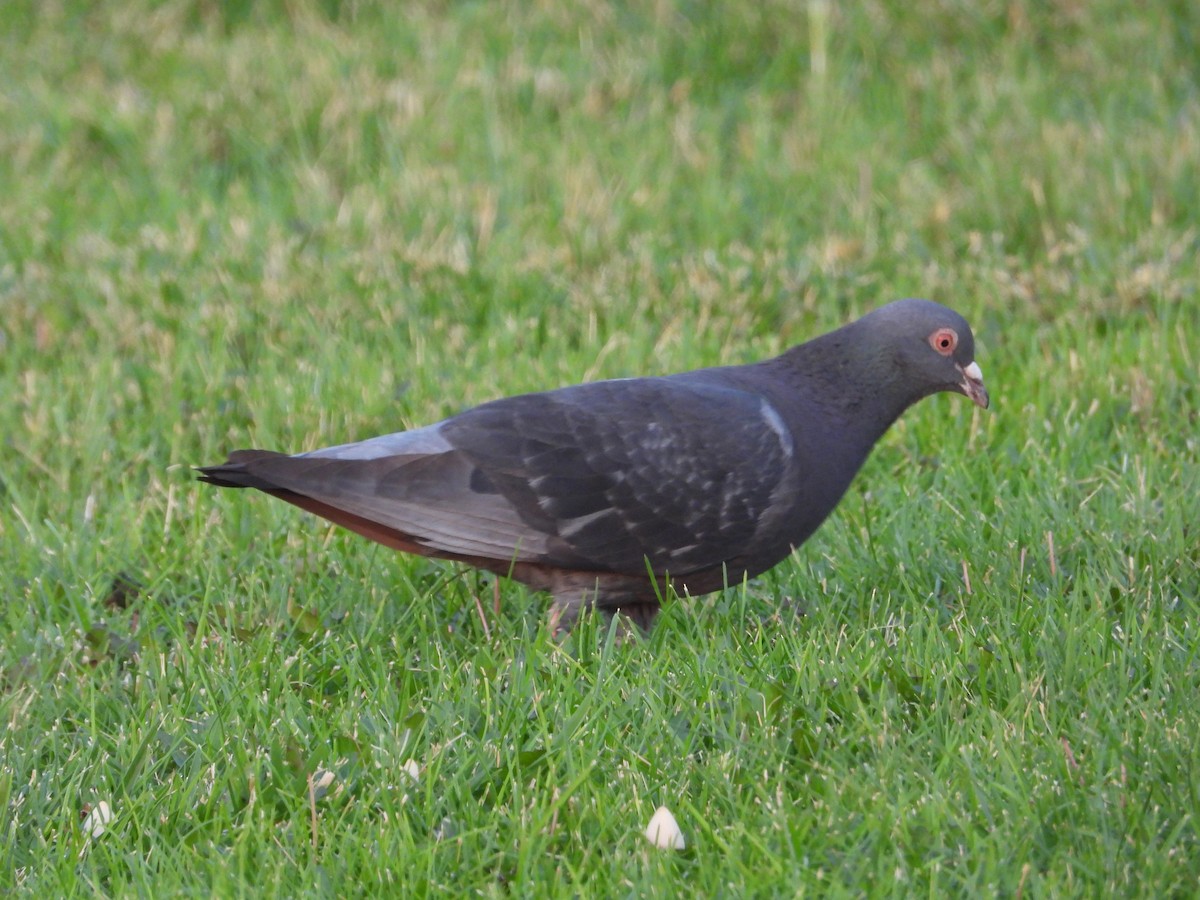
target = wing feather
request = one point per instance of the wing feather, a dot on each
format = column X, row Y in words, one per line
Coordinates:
column 674, row 470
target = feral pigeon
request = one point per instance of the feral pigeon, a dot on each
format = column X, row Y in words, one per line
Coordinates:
column 608, row 493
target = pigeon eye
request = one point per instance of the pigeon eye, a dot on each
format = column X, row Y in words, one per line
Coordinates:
column 944, row 340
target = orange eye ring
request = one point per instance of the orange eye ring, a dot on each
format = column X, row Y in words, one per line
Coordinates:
column 944, row 340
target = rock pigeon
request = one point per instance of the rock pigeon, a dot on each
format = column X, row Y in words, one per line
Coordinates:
column 608, row 493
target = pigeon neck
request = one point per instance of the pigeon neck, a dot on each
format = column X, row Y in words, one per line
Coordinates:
column 858, row 385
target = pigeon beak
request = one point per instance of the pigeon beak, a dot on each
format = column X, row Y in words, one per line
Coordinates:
column 972, row 384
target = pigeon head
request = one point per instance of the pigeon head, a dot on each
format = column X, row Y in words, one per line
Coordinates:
column 922, row 346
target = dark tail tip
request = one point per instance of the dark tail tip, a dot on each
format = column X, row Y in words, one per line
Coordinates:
column 223, row 476
column 212, row 475
column 237, row 471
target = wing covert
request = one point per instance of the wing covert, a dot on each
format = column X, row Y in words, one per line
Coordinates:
column 677, row 471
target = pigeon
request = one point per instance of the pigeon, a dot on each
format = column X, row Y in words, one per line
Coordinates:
column 611, row 493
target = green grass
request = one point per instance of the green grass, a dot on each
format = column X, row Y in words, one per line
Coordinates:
column 295, row 224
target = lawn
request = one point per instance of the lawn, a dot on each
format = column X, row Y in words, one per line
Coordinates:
column 294, row 224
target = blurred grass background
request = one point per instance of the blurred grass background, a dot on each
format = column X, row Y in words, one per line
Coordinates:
column 298, row 223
